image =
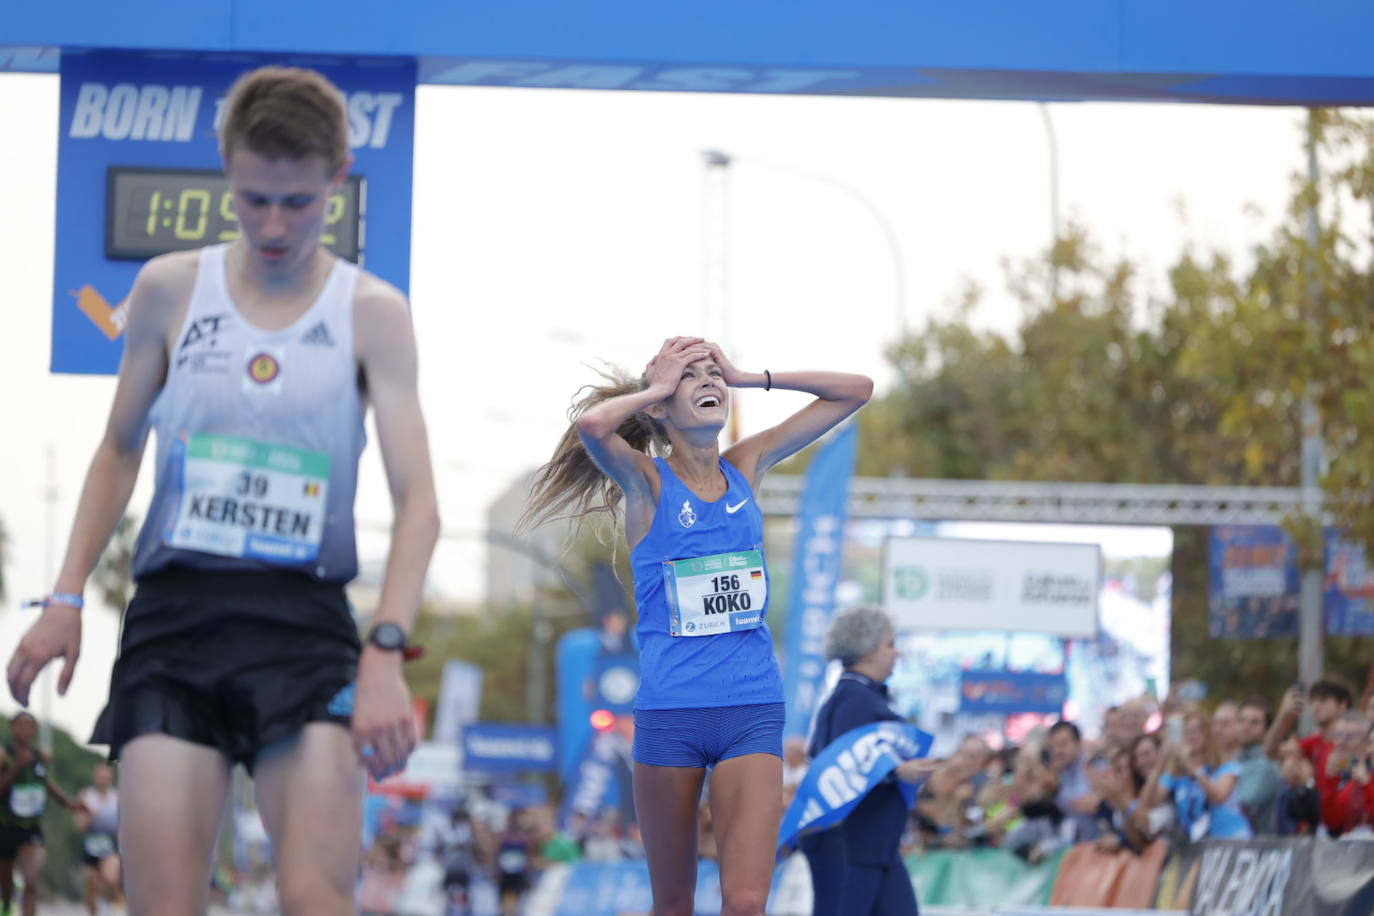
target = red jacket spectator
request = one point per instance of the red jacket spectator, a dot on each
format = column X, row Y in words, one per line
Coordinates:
column 1347, row 796
column 1349, row 804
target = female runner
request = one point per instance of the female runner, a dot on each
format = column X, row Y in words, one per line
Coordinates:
column 710, row 695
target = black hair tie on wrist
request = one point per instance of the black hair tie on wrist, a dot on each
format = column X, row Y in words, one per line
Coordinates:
column 767, row 380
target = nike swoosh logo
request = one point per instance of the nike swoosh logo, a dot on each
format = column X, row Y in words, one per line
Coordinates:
column 735, row 508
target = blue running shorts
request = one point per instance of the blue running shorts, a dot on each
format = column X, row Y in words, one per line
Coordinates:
column 704, row 737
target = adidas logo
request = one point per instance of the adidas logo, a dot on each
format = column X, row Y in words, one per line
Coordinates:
column 318, row 335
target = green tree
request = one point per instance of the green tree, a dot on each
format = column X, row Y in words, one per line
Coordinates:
column 1202, row 385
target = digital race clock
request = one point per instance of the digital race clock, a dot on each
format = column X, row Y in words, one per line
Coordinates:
column 151, row 211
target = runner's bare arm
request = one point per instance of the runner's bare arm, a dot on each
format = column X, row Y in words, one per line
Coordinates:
column 386, row 348
column 383, row 727
column 63, row 798
column 158, row 296
column 838, row 394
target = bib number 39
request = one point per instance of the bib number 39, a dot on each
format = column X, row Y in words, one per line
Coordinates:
column 244, row 498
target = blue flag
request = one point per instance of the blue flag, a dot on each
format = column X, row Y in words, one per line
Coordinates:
column 815, row 571
column 847, row 770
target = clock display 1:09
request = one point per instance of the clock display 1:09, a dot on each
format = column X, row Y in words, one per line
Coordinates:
column 151, row 211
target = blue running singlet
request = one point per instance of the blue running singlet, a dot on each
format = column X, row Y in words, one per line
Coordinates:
column 700, row 569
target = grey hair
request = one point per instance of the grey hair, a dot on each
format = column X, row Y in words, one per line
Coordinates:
column 855, row 632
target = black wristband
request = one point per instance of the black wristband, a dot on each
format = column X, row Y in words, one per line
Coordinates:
column 767, row 380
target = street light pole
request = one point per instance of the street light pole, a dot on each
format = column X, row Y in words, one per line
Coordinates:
column 715, row 273
column 1310, row 619
column 1054, row 201
column 49, row 678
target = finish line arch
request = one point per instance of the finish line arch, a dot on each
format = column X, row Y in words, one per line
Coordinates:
column 1225, row 51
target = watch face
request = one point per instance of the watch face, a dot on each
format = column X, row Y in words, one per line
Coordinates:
column 388, row 636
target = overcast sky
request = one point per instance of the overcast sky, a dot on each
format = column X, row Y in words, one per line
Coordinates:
column 553, row 229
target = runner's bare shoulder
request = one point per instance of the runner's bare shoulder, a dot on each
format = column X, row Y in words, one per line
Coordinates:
column 163, row 287
column 381, row 320
column 377, row 299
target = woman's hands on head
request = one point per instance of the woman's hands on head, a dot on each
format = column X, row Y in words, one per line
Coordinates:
column 664, row 371
column 728, row 372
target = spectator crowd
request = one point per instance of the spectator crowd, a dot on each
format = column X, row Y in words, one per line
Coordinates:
column 1174, row 771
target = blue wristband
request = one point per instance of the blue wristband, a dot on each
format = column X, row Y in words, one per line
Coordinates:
column 71, row 598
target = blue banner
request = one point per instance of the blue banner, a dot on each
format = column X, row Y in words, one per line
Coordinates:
column 156, row 116
column 847, row 770
column 602, row 780
column 815, row 571
column 498, row 747
column 1349, row 588
column 1011, row 692
column 1253, row 583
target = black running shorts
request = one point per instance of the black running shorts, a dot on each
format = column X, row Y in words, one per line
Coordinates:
column 236, row 661
column 14, row 838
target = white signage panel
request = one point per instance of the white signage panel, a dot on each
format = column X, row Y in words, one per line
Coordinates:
column 1016, row 586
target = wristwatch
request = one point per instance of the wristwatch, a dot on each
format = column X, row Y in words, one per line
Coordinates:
column 388, row 636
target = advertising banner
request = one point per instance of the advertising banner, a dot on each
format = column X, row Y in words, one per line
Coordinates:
column 1349, row 588
column 1253, row 582
column 1009, row 586
column 500, row 747
column 815, row 572
column 1011, row 692
column 1284, row 877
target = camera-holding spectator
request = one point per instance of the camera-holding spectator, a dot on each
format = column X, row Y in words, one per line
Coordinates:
column 1075, row 795
column 1151, row 817
column 1226, row 730
column 1115, row 782
column 1068, row 809
column 1328, row 700
column 1257, row 790
column 1200, row 785
column 1297, row 811
column 1346, row 797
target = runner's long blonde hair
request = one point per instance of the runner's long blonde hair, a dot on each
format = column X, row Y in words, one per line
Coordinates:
column 570, row 485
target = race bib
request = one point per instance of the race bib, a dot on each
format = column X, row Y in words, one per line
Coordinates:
column 511, row 861
column 98, row 845
column 28, row 799
column 722, row 593
column 244, row 498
